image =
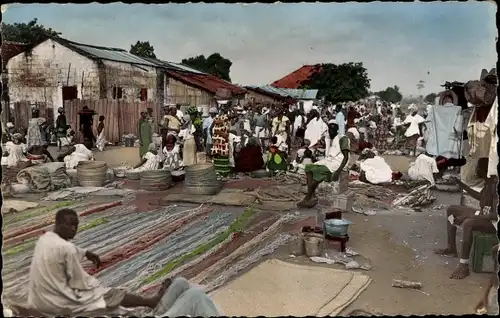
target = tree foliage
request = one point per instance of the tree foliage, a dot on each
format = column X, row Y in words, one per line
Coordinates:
column 430, row 98
column 340, row 83
column 390, row 94
column 30, row 33
column 215, row 64
column 143, row 49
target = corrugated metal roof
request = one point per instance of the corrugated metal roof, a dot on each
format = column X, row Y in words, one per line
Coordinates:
column 207, row 82
column 11, row 49
column 105, row 53
column 288, row 92
column 296, row 78
column 301, row 93
column 172, row 65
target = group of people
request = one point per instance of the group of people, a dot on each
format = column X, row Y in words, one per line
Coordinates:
column 24, row 150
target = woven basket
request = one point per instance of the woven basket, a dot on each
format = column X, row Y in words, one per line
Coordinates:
column 91, row 173
column 132, row 175
column 202, row 190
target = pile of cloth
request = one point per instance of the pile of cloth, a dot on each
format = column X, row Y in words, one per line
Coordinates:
column 45, row 177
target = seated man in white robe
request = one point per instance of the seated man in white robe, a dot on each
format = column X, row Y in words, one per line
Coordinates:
column 374, row 169
column 58, row 284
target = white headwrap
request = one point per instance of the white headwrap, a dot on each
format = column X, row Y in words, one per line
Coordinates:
column 412, row 107
column 10, row 125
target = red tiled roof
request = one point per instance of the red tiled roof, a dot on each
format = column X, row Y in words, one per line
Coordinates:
column 10, row 49
column 295, row 79
column 206, row 82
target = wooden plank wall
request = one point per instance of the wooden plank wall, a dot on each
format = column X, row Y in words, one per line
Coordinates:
column 22, row 113
column 120, row 117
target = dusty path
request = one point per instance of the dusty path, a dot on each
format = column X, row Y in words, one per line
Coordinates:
column 400, row 246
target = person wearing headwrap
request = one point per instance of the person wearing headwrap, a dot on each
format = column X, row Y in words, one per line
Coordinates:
column 329, row 168
column 186, row 135
column 61, row 126
column 281, row 129
column 413, row 131
column 150, row 161
column 14, row 151
column 35, row 127
column 145, row 134
column 383, row 129
column 171, row 152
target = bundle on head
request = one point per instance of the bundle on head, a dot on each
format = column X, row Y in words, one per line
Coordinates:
column 448, row 94
column 482, row 92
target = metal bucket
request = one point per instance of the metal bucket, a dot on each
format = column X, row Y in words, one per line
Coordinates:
column 313, row 246
column 297, row 245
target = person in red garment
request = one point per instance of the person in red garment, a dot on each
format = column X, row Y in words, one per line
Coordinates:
column 250, row 157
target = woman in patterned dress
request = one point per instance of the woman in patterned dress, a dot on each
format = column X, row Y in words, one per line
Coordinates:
column 220, row 140
column 382, row 131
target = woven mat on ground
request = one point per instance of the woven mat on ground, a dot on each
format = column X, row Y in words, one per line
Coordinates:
column 276, row 288
column 232, row 197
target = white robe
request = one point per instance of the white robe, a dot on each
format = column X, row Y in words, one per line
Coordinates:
column 315, row 130
column 57, row 280
column 152, row 163
column 101, row 141
column 376, row 170
column 423, row 169
column 16, row 154
column 81, row 153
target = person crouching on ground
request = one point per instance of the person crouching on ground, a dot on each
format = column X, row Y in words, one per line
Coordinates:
column 150, row 161
column 59, row 285
column 276, row 158
column 374, row 169
column 470, row 219
column 14, row 151
column 75, row 154
column 424, row 168
column 329, row 168
column 39, row 154
column 249, row 158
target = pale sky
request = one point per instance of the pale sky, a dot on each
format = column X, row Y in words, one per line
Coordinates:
column 398, row 43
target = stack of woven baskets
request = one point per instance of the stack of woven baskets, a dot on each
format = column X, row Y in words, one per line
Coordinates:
column 91, row 173
column 201, row 179
column 156, row 180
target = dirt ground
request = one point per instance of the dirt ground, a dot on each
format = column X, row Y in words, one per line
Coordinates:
column 399, row 245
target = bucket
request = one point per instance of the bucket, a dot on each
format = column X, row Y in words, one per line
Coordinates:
column 313, row 246
column 297, row 245
column 336, row 227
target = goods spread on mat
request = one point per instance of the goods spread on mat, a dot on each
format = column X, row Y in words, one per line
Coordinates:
column 140, row 249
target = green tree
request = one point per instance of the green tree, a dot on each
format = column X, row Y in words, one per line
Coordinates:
column 390, row 94
column 340, row 83
column 215, row 64
column 143, row 49
column 431, row 98
column 30, row 33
